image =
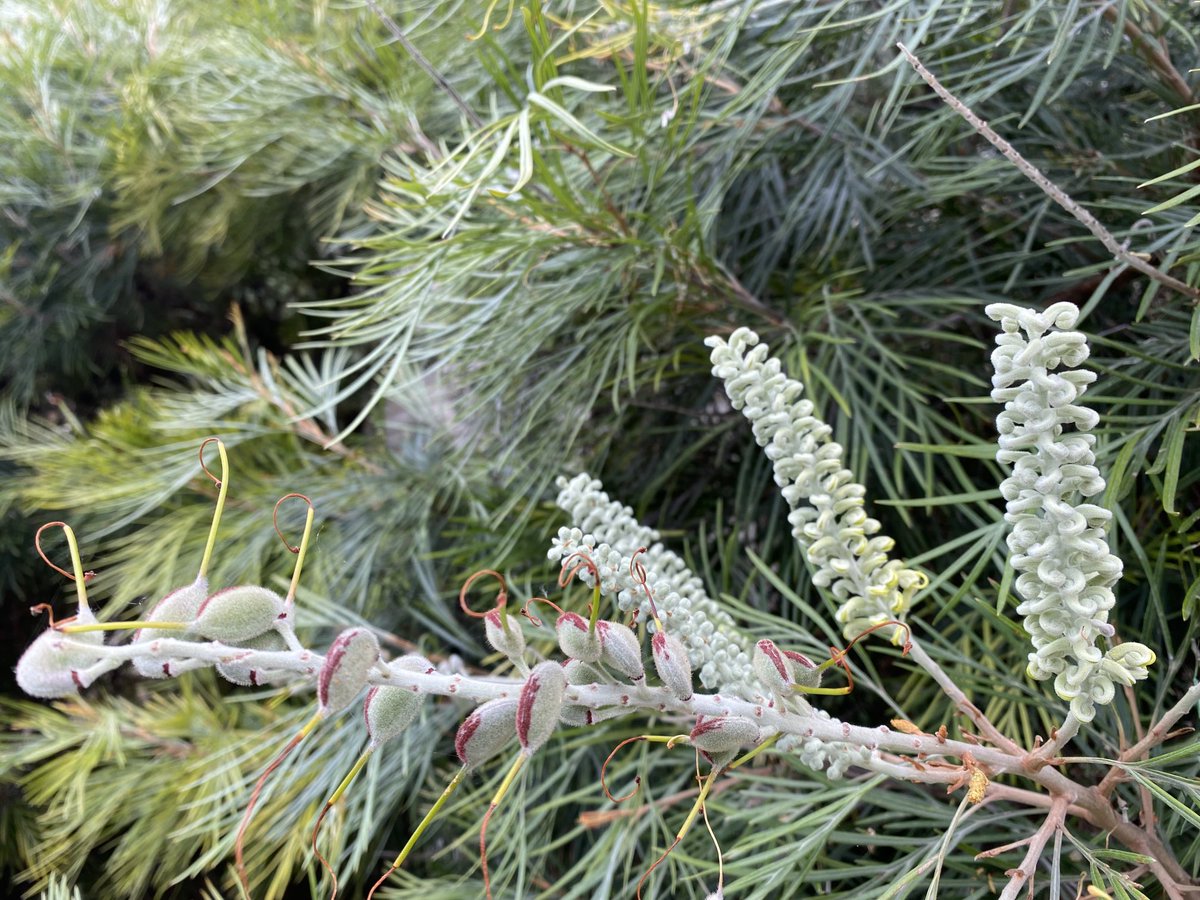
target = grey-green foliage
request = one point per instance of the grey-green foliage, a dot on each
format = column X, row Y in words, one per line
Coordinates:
column 771, row 164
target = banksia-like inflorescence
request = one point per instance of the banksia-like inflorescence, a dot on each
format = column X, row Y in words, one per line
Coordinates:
column 1058, row 543
column 841, row 541
column 608, row 534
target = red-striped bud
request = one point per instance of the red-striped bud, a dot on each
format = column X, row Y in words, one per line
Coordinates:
column 388, row 711
column 539, row 705
column 620, row 649
column 347, row 666
column 504, row 637
column 579, row 672
column 779, row 669
column 484, row 732
column 771, row 666
column 719, row 735
column 672, row 663
column 576, row 640
column 237, row 614
column 804, row 671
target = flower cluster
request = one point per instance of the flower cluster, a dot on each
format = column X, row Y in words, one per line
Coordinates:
column 828, row 519
column 1059, row 549
column 609, row 535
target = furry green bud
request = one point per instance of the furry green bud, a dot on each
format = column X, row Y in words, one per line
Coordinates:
column 579, row 672
column 504, row 636
column 243, row 669
column 672, row 663
column 539, row 705
column 620, row 649
column 181, row 605
column 484, row 732
column 804, row 671
column 721, row 735
column 414, row 662
column 344, row 673
column 50, row 667
column 576, row 640
column 388, row 711
column 780, row 670
column 237, row 614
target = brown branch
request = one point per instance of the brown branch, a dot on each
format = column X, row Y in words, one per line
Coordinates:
column 1155, row 736
column 1156, row 55
column 1053, row 191
column 1023, row 874
column 419, row 58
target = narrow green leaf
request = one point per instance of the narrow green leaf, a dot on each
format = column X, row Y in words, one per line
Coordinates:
column 574, row 124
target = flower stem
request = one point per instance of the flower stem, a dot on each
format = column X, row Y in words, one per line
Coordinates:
column 223, row 489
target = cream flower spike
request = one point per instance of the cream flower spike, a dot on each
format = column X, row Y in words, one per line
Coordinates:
column 609, row 535
column 1058, row 545
column 842, row 543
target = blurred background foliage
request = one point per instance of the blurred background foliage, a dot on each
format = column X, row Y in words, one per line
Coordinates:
column 416, row 260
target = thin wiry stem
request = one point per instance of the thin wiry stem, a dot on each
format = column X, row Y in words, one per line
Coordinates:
column 426, row 65
column 1053, row 191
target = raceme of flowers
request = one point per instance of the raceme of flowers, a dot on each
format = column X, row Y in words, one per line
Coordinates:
column 840, row 540
column 608, row 534
column 1058, row 544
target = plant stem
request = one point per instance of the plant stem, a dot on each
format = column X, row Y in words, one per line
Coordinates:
column 1053, row 191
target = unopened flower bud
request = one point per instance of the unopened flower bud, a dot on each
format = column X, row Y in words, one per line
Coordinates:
column 181, row 605
column 389, row 711
column 575, row 715
column 720, row 735
column 504, row 634
column 245, row 670
column 414, row 662
column 780, row 670
column 237, row 614
column 484, row 732
column 620, row 649
column 50, row 667
column 672, row 663
column 804, row 671
column 539, row 705
column 576, row 640
column 579, row 672
column 347, row 665
column 771, row 667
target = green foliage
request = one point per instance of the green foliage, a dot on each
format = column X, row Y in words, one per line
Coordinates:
column 524, row 297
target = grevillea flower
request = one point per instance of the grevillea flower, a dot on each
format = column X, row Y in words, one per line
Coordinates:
column 609, row 535
column 841, row 542
column 1058, row 541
